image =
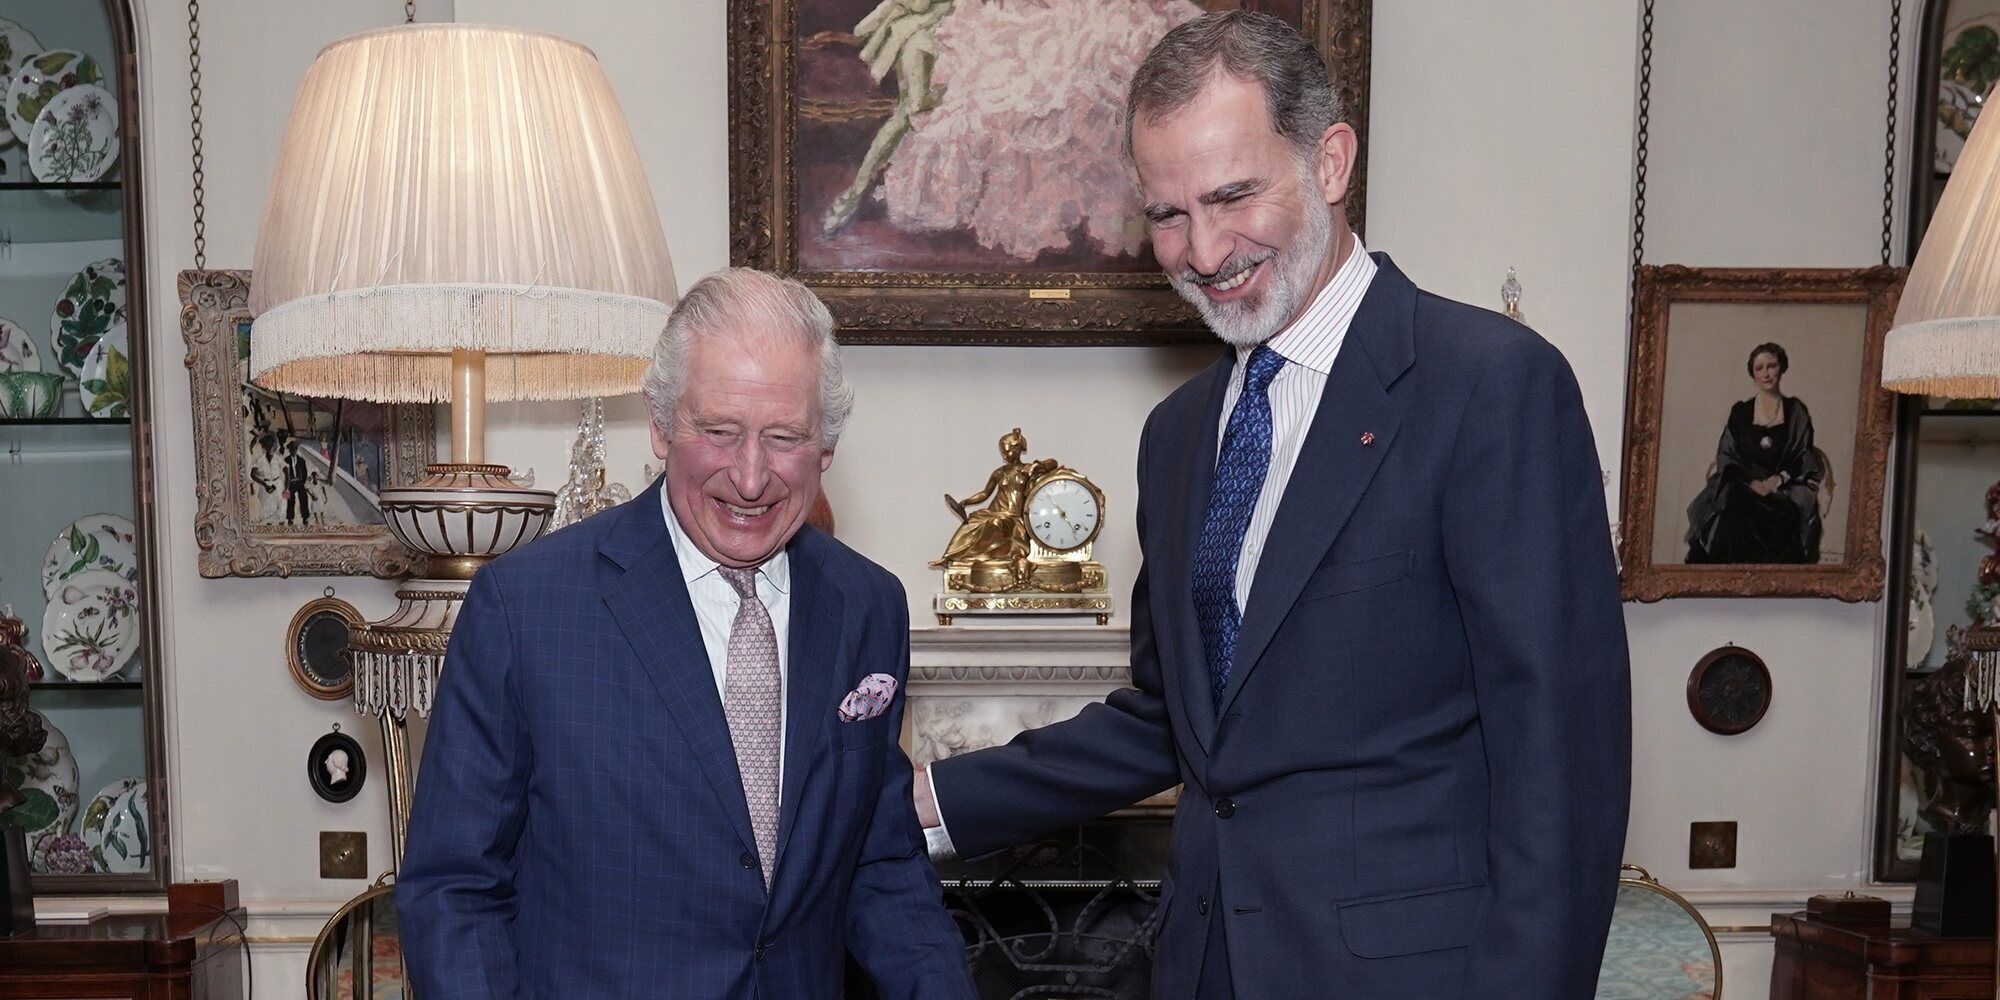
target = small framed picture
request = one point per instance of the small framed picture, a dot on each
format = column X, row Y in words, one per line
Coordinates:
column 336, row 767
column 316, row 647
column 1757, row 433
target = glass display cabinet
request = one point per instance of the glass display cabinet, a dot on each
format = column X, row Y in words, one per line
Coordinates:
column 78, row 579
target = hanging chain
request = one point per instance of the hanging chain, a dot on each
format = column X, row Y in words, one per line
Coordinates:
column 194, row 114
column 1639, row 166
column 1889, row 145
column 409, row 11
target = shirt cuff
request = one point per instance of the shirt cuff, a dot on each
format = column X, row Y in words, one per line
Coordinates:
column 937, row 839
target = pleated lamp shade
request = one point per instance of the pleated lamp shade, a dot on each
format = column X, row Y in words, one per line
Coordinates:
column 1946, row 338
column 463, row 186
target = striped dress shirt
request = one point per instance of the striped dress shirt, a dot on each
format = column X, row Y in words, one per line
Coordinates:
column 1309, row 346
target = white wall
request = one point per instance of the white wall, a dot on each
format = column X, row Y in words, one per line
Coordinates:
column 1502, row 136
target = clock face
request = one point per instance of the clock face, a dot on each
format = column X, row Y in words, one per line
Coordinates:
column 1063, row 515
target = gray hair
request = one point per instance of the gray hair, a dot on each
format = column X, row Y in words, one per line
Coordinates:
column 729, row 301
column 1252, row 47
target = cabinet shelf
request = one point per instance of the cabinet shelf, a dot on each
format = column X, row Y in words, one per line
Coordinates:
column 63, row 421
column 48, row 186
column 83, row 686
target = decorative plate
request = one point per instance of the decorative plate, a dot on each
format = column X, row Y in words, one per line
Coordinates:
column 125, row 845
column 49, row 781
column 97, row 541
column 75, row 138
column 37, row 81
column 106, row 378
column 97, row 816
column 92, row 303
column 16, row 45
column 17, row 349
column 91, row 627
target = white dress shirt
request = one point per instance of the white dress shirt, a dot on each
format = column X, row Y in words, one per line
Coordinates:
column 1309, row 346
column 715, row 603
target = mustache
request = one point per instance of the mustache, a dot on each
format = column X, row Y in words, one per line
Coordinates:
column 1228, row 271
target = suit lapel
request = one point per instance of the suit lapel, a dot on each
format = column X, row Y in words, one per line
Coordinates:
column 812, row 673
column 1184, row 665
column 650, row 604
column 1353, row 429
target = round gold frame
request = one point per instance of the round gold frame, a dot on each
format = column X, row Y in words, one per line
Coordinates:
column 295, row 636
column 1049, row 477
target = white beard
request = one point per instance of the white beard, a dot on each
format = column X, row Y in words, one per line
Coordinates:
column 1253, row 321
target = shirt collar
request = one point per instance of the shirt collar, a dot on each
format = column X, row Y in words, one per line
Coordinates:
column 696, row 564
column 1314, row 338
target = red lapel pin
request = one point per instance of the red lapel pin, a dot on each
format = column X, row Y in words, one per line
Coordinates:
column 1367, row 438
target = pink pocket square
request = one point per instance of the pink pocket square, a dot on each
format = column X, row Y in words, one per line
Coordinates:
column 868, row 700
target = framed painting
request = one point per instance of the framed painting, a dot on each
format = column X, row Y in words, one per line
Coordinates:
column 1757, row 432
column 951, row 171
column 288, row 485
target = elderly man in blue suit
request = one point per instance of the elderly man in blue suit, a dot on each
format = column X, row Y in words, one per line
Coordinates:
column 664, row 761
column 1376, row 634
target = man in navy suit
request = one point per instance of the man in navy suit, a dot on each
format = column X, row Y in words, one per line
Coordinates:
column 1376, row 634
column 664, row 761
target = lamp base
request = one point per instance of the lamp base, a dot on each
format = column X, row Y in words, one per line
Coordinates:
column 1955, row 886
column 461, row 515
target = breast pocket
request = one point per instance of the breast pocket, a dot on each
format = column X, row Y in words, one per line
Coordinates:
column 1358, row 574
column 867, row 734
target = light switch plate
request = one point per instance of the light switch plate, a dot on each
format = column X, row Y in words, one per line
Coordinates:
column 343, row 854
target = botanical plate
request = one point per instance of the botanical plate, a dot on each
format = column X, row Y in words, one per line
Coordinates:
column 37, row 81
column 107, row 375
column 17, row 349
column 91, row 627
column 16, row 44
column 75, row 139
column 92, row 303
column 97, row 816
column 125, row 846
column 96, row 541
column 48, row 780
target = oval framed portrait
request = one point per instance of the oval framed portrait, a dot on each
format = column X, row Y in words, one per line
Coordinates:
column 316, row 647
column 1729, row 690
column 336, row 767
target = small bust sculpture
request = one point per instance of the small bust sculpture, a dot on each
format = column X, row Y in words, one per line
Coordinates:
column 1954, row 746
column 21, row 731
column 336, row 768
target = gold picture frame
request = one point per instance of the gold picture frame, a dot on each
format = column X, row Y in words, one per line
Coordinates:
column 1692, row 331
column 802, row 109
column 284, row 484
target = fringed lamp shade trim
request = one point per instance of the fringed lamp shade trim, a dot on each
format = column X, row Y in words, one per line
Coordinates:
column 393, row 345
column 1954, row 358
column 455, row 185
column 1946, row 337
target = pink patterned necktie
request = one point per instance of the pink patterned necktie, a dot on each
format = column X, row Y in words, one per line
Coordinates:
column 750, row 701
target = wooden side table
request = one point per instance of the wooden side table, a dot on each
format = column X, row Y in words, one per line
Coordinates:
column 1816, row 960
column 127, row 957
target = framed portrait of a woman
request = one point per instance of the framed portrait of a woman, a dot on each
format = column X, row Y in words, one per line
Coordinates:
column 952, row 171
column 1757, row 433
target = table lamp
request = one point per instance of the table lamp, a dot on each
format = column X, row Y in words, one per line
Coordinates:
column 458, row 213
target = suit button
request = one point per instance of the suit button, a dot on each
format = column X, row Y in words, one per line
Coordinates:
column 1225, row 809
column 748, row 860
column 1201, row 905
column 760, row 952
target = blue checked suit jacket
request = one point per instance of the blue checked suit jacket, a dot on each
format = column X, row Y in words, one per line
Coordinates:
column 579, row 828
column 1416, row 784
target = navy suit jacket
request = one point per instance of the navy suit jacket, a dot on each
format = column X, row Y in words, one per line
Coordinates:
column 1417, row 781
column 579, row 827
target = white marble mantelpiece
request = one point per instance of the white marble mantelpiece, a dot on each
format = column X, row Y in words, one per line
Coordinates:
column 978, row 686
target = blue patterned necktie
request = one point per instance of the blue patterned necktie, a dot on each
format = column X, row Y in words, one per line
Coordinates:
column 1239, row 477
